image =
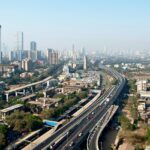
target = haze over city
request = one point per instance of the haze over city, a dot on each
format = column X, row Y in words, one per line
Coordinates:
column 75, row 75
column 121, row 25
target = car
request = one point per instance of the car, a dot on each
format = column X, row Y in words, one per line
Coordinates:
column 71, row 144
column 93, row 113
column 80, row 134
column 117, row 128
column 107, row 99
column 52, row 145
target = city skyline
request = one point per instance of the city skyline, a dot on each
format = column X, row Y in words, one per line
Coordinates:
column 90, row 24
column 75, row 74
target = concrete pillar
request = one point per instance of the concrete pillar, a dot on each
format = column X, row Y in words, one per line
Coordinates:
column 32, row 89
column 24, row 91
column 44, row 103
column 48, row 83
column 44, row 93
column 3, row 116
column 62, row 90
column 7, row 97
column 16, row 93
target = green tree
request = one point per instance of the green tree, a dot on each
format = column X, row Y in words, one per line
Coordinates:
column 3, row 129
column 38, row 95
column 2, row 140
column 2, row 103
column 23, row 122
column 125, row 123
column 132, row 86
column 47, row 113
column 83, row 94
column 60, row 95
column 133, row 108
column 33, row 122
column 114, row 82
column 148, row 135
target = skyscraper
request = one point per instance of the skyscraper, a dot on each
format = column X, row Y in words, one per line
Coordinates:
column 20, row 44
column 48, row 50
column 20, row 41
column 33, row 55
column 52, row 57
column 83, row 53
column 0, row 46
column 33, row 51
column 74, row 54
column 85, row 63
column 33, row 46
column 26, row 64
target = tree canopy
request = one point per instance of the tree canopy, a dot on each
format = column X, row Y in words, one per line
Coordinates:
column 3, row 134
column 23, row 122
column 125, row 123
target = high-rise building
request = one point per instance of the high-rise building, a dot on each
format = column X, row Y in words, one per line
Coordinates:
column 33, row 46
column 0, row 46
column 33, row 55
column 39, row 55
column 48, row 50
column 85, row 63
column 83, row 53
column 25, row 54
column 26, row 64
column 52, row 57
column 20, row 45
column 74, row 56
column 20, row 41
column 12, row 55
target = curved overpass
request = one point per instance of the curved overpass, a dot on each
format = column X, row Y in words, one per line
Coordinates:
column 95, row 133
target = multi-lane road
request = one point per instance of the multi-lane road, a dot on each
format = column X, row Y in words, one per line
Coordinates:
column 95, row 133
column 72, row 134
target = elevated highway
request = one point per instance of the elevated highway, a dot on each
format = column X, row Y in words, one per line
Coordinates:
column 72, row 134
column 46, row 80
column 95, row 133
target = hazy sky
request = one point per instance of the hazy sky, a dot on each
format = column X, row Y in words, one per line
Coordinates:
column 121, row 24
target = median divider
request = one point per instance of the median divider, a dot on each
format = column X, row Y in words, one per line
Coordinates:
column 99, row 127
column 88, row 104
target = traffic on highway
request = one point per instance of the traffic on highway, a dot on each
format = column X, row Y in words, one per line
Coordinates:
column 72, row 134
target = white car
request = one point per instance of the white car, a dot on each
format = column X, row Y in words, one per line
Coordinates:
column 71, row 144
column 80, row 134
column 93, row 113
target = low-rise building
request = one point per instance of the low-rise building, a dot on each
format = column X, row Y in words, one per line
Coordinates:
column 46, row 102
column 145, row 94
column 141, row 85
column 6, row 70
column 141, row 107
column 71, row 89
column 26, row 75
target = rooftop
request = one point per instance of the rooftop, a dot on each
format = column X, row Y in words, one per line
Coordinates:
column 50, row 123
